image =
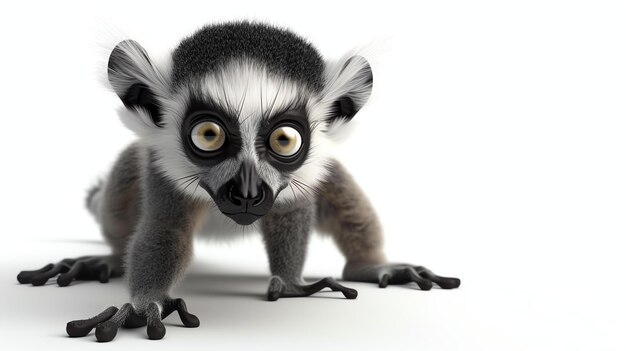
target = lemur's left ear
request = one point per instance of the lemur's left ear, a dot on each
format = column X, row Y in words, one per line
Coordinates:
column 137, row 81
column 348, row 86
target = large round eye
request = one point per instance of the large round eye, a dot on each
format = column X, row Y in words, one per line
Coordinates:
column 285, row 141
column 208, row 136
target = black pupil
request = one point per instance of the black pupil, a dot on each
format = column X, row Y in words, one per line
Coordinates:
column 210, row 134
column 283, row 140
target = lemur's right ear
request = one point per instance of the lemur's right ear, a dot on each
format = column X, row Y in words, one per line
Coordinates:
column 136, row 80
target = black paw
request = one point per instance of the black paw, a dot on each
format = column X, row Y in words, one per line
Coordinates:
column 83, row 268
column 279, row 288
column 110, row 320
column 391, row 273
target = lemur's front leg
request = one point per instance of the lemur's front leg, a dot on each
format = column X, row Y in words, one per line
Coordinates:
column 345, row 212
column 158, row 255
column 286, row 231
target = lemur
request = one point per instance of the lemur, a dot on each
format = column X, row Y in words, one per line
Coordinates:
column 236, row 130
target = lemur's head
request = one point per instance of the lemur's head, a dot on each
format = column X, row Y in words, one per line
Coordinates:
column 243, row 111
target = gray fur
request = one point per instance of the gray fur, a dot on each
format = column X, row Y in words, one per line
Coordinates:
column 118, row 210
column 345, row 212
column 286, row 231
column 150, row 206
column 162, row 247
column 91, row 201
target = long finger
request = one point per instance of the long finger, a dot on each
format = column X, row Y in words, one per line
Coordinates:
column 275, row 289
column 443, row 282
column 107, row 330
column 82, row 327
column 333, row 285
column 156, row 329
column 42, row 278
column 423, row 283
column 66, row 278
column 24, row 277
column 104, row 273
column 188, row 319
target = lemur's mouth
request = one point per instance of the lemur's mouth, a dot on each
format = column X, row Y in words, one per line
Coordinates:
column 243, row 218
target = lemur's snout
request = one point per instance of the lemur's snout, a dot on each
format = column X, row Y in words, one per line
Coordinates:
column 246, row 186
column 246, row 189
column 246, row 197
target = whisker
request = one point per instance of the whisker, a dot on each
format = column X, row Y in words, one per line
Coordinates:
column 300, row 189
column 189, row 176
column 196, row 188
column 191, row 182
column 301, row 182
column 294, row 193
column 187, row 182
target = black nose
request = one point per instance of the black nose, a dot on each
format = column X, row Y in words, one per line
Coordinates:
column 244, row 200
column 246, row 188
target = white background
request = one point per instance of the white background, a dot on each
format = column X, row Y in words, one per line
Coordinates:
column 493, row 148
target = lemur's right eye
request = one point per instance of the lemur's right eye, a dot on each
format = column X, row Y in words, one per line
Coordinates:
column 208, row 136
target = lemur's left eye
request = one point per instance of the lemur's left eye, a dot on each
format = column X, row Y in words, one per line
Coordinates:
column 285, row 141
column 208, row 136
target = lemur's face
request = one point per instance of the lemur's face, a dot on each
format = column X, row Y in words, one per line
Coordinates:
column 242, row 117
column 246, row 135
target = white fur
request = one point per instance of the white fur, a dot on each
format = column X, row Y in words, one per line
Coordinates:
column 264, row 93
column 345, row 78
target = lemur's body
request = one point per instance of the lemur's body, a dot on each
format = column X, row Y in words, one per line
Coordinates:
column 236, row 131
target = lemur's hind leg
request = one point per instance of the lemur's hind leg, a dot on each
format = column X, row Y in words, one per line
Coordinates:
column 286, row 231
column 345, row 212
column 115, row 205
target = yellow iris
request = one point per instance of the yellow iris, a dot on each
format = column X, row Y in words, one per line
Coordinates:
column 285, row 141
column 208, row 136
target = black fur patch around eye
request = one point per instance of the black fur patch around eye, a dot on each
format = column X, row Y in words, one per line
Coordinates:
column 198, row 111
column 296, row 119
column 282, row 51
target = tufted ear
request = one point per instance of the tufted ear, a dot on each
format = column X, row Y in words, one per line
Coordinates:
column 348, row 86
column 137, row 82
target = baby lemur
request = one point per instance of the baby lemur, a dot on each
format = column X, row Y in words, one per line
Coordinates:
column 237, row 128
